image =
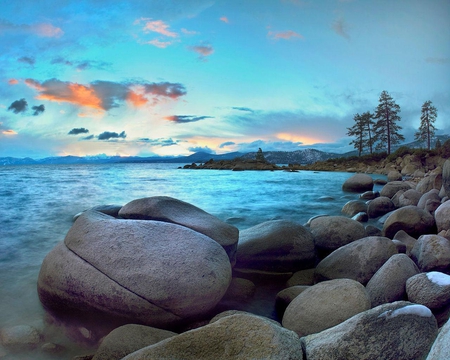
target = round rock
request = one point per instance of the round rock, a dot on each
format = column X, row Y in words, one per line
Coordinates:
column 411, row 219
column 380, row 206
column 431, row 289
column 358, row 183
column 442, row 216
column 431, row 252
column 354, row 207
column 391, row 188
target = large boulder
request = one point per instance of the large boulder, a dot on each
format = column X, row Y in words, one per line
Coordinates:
column 431, row 252
column 432, row 195
column 441, row 346
column 389, row 282
column 431, row 289
column 358, row 183
column 325, row 305
column 391, row 188
column 430, row 182
column 359, row 260
column 127, row 339
column 442, row 216
column 332, row 232
column 239, row 336
column 409, row 197
column 354, row 207
column 153, row 272
column 164, row 208
column 394, row 331
column 380, row 206
column 394, row 175
column 411, row 219
column 446, row 177
column 277, row 246
column 406, row 239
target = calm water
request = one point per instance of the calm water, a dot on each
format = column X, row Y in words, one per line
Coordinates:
column 39, row 201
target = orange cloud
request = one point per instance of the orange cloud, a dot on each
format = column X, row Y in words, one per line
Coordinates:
column 136, row 99
column 13, row 81
column 76, row 94
column 48, row 30
column 305, row 140
column 224, row 19
column 9, row 132
column 285, row 35
column 34, row 84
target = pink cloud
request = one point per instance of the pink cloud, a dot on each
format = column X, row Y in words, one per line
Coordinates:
column 159, row 27
column 202, row 50
column 285, row 35
column 13, row 81
column 224, row 19
column 48, row 30
column 160, row 44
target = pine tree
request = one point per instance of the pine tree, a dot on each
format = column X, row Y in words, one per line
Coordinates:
column 386, row 128
column 438, row 144
column 368, row 123
column 426, row 129
column 362, row 131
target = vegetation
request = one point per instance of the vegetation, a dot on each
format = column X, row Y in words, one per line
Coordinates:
column 363, row 132
column 260, row 156
column 427, row 129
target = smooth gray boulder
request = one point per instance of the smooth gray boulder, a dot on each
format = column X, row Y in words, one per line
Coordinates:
column 394, row 175
column 388, row 284
column 285, row 297
column 406, row 239
column 380, row 206
column 431, row 289
column 332, row 232
column 369, row 195
column 276, row 246
column 152, row 272
column 240, row 337
column 358, row 183
column 409, row 197
column 430, row 195
column 431, row 252
column 441, row 346
column 354, row 207
column 432, row 181
column 164, row 208
column 359, row 260
column 391, row 188
column 127, row 339
column 325, row 305
column 394, row 331
column 442, row 216
column 411, row 219
column 446, row 177
column 301, row 277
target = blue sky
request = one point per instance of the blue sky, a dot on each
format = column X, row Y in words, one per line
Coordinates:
column 90, row 77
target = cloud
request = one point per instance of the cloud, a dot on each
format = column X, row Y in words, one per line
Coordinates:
column 13, row 81
column 186, row 118
column 438, row 60
column 90, row 137
column 27, row 60
column 157, row 26
column 242, row 109
column 9, row 132
column 111, row 135
column 76, row 131
column 160, row 142
column 201, row 149
column 224, row 19
column 82, row 65
column 47, row 30
column 285, row 35
column 203, row 50
column 105, row 95
column 38, row 109
column 160, row 44
column 41, row 29
column 225, row 144
column 189, row 32
column 18, row 106
column 340, row 28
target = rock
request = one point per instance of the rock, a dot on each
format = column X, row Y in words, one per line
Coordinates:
column 401, row 248
column 394, row 331
column 442, row 216
column 325, row 305
column 441, row 346
column 52, row 348
column 332, row 232
column 431, row 289
column 302, row 277
column 285, row 297
column 239, row 291
column 369, row 195
column 391, row 188
column 380, row 206
column 358, row 183
column 115, row 260
column 361, row 217
column 446, row 177
column 359, row 260
column 353, row 207
column 406, row 239
column 239, row 336
column 409, row 197
column 380, row 182
column 396, row 198
column 388, row 283
column 430, row 195
column 431, row 252
column 127, row 339
column 372, row 230
column 277, row 246
column 411, row 219
column 227, row 313
column 164, row 208
column 20, row 337
column 433, row 181
column 394, row 175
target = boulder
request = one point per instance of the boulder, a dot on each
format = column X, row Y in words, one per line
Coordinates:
column 442, row 216
column 431, row 252
column 369, row 195
column 392, row 187
column 302, row 277
column 332, row 232
column 240, row 336
column 358, row 183
column 372, row 230
column 394, row 331
column 105, row 266
column 394, row 175
column 409, row 197
column 127, row 339
column 389, row 282
column 428, row 196
column 431, row 289
column 277, row 246
column 446, row 177
column 167, row 209
column 361, row 217
column 285, row 297
column 406, row 239
column 396, row 198
column 441, row 346
column 240, row 291
column 430, row 182
column 353, row 207
column 380, row 206
column 20, row 337
column 359, row 260
column 411, row 219
column 325, row 305
column 401, row 248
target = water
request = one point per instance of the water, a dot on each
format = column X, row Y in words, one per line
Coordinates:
column 38, row 203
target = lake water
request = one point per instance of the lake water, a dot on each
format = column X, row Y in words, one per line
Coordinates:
column 38, row 203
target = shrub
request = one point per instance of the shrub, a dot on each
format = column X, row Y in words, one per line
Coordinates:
column 444, row 150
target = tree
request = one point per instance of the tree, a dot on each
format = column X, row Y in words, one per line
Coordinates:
column 362, row 130
column 386, row 128
column 426, row 128
column 438, row 144
column 260, row 156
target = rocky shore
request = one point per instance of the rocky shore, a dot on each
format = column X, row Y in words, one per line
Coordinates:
column 159, row 278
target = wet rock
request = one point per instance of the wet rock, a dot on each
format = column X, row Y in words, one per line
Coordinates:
column 394, row 175
column 354, row 207
column 369, row 195
column 20, row 337
column 302, row 277
column 325, row 305
column 431, row 289
column 394, row 331
column 380, row 206
column 411, row 219
column 441, row 346
column 239, row 291
column 388, row 284
column 358, row 183
column 431, row 252
column 372, row 230
column 361, row 217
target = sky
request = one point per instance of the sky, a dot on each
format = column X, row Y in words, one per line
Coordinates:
column 166, row 77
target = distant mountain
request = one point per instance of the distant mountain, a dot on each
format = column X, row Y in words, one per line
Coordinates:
column 302, row 157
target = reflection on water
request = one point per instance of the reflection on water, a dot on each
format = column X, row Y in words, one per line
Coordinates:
column 38, row 203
